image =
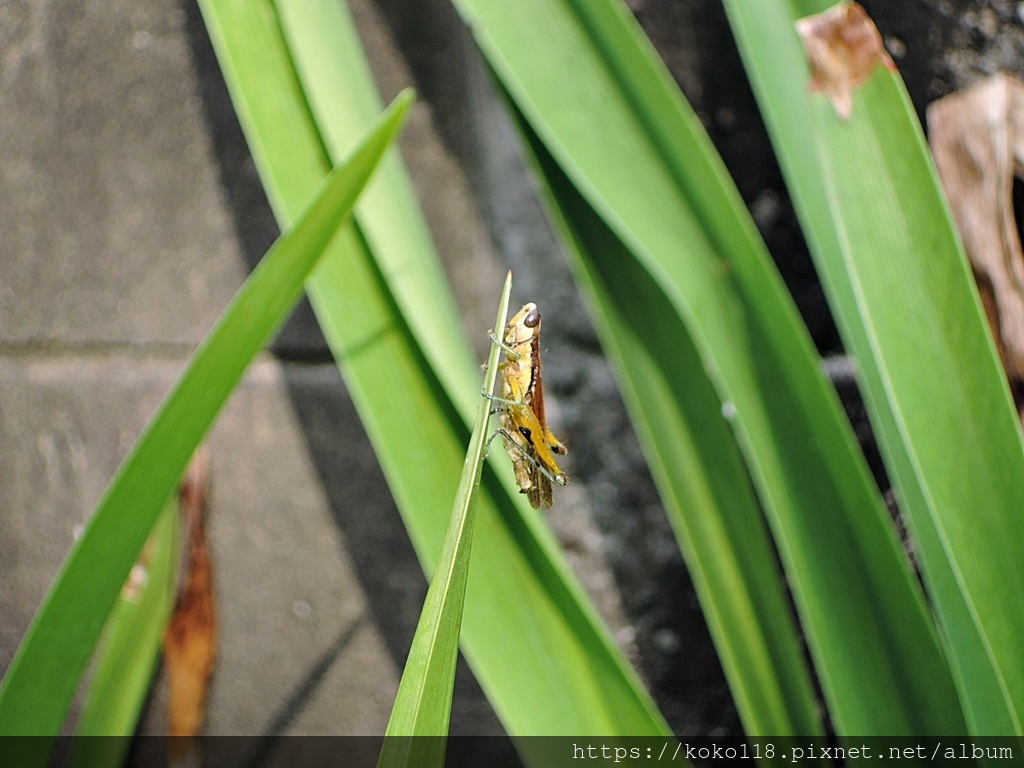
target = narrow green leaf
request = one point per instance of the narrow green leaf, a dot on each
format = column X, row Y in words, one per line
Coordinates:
column 653, row 177
column 937, row 363
column 697, row 467
column 129, row 651
column 38, row 686
column 526, row 617
column 927, row 288
column 132, row 638
column 339, row 87
column 424, row 701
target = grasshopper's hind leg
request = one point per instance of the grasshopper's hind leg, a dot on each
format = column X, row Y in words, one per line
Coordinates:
column 558, row 480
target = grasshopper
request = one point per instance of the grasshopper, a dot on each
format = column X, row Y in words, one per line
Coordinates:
column 523, row 422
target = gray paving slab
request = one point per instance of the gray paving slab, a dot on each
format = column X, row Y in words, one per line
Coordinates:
column 286, row 590
column 114, row 224
column 126, row 233
column 124, row 184
column 131, row 214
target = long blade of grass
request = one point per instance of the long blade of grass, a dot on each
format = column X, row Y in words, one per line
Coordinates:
column 653, row 177
column 130, row 650
column 424, row 702
column 339, row 88
column 900, row 289
column 41, row 680
column 526, row 617
column 937, row 363
column 697, row 467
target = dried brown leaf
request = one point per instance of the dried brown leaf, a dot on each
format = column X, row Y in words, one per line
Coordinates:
column 843, row 47
column 977, row 137
column 191, row 637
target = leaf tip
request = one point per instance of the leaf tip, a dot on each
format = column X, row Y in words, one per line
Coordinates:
column 398, row 109
column 405, row 98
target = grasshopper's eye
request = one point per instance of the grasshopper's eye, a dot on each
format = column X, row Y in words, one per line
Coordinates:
column 526, row 433
column 532, row 319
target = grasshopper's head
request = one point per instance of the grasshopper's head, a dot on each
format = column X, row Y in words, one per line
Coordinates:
column 526, row 318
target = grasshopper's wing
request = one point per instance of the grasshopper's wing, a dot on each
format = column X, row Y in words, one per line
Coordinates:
column 540, row 495
column 519, row 451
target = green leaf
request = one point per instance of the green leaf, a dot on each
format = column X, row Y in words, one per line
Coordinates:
column 942, row 380
column 899, row 287
column 129, row 652
column 338, row 85
column 920, row 313
column 697, row 467
column 526, row 616
column 424, row 701
column 41, row 680
column 623, row 135
column 132, row 638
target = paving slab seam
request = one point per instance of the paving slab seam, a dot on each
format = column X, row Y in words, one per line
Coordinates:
column 113, row 350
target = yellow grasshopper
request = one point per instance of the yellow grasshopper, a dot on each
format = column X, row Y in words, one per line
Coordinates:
column 523, row 422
